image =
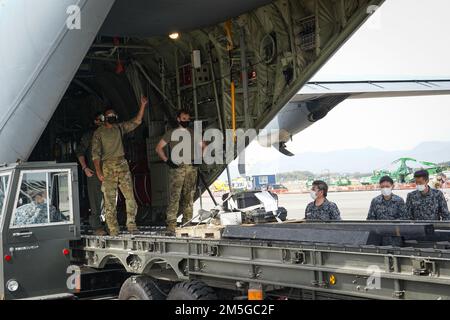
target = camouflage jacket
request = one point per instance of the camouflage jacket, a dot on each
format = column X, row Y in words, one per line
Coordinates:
column 107, row 143
column 326, row 212
column 382, row 209
column 32, row 213
column 431, row 206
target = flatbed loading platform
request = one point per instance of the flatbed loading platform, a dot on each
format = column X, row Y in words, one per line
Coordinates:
column 338, row 260
column 283, row 268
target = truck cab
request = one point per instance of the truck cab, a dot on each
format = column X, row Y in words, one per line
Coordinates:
column 39, row 216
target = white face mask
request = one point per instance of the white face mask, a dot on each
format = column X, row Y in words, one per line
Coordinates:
column 313, row 195
column 387, row 192
column 421, row 187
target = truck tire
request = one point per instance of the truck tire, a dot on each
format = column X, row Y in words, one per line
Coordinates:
column 192, row 290
column 140, row 288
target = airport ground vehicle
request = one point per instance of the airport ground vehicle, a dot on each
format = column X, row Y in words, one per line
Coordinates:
column 278, row 188
column 404, row 173
column 40, row 260
column 263, row 181
column 220, row 186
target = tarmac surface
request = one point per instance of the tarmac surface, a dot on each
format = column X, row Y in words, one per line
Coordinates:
column 352, row 205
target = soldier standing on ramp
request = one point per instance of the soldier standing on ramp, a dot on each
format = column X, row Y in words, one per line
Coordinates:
column 94, row 185
column 183, row 174
column 114, row 172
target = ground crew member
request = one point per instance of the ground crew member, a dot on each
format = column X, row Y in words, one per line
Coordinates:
column 442, row 179
column 321, row 209
column 112, row 168
column 182, row 174
column 36, row 212
column 387, row 206
column 84, row 155
column 426, row 203
column 440, row 183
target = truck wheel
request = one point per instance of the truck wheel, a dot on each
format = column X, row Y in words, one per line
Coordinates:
column 140, row 288
column 192, row 290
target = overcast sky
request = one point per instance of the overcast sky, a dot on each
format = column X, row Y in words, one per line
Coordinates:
column 404, row 39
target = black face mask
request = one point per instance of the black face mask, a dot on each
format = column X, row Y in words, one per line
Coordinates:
column 112, row 119
column 184, row 124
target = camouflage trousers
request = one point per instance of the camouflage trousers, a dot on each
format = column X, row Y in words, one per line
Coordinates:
column 117, row 175
column 182, row 183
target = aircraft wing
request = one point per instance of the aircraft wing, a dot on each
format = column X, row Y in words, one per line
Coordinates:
column 316, row 99
column 373, row 89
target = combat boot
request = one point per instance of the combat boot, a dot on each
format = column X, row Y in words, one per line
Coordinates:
column 170, row 230
column 113, row 233
column 132, row 228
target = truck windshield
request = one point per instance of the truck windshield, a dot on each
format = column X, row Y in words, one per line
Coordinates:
column 4, row 181
column 44, row 198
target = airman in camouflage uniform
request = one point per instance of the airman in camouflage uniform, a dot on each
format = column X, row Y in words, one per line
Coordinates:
column 84, row 155
column 321, row 209
column 114, row 172
column 426, row 203
column 36, row 212
column 382, row 209
column 182, row 183
column 182, row 174
column 325, row 212
column 387, row 206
